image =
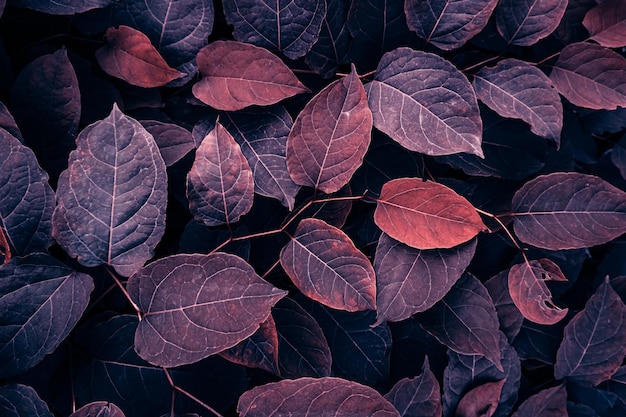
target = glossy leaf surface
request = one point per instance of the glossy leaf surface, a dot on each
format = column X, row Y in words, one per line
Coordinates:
column 550, row 402
column 525, row 23
column 417, row 397
column 98, row 409
column 606, row 23
column 17, row 400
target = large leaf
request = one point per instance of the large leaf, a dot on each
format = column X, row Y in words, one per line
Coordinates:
column 594, row 341
column 330, row 136
column 425, row 215
column 448, row 24
column 568, row 211
column 550, row 402
column 324, row 264
column 606, row 23
column 417, row 397
column 65, row 7
column 514, row 88
column 410, row 280
column 525, row 23
column 424, row 103
column 308, row 397
column 41, row 301
column 106, row 212
column 17, row 400
column 197, row 305
column 331, row 48
column 591, row 76
column 98, row 409
column 220, row 187
column 289, row 27
column 236, row 75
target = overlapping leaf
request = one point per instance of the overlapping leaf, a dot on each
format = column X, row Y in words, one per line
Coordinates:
column 509, row 315
column 550, row 402
column 568, row 211
column 17, row 400
column 331, row 48
column 481, row 400
column 98, row 409
column 173, row 141
column 259, row 350
column 424, row 103
column 525, row 23
column 108, row 213
column 7, row 122
column 417, row 397
column 65, row 7
column 606, row 23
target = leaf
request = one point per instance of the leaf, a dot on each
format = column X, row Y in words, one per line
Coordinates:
column 594, row 343
column 65, row 7
column 106, row 213
column 173, row 141
column 41, row 300
column 527, row 22
column 448, row 24
column 410, row 280
column 425, row 215
column 197, row 305
column 220, row 187
column 425, row 104
column 550, row 402
column 417, row 397
column 17, row 400
column 259, row 350
column 236, row 75
column 591, row 76
column 7, row 122
column 606, row 24
column 516, row 89
column 480, row 401
column 309, row 397
column 324, row 264
column 129, row 55
column 539, row 342
column 98, row 409
column 568, row 211
column 289, row 27
column 509, row 316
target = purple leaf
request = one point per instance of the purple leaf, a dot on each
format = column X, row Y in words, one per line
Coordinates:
column 539, row 342
column 259, row 350
column 17, row 400
column 289, row 27
column 594, row 343
column 106, row 213
column 417, row 397
column 65, row 7
column 411, row 280
column 324, row 264
column 568, row 211
column 197, row 305
column 525, row 23
column 98, row 409
column 550, row 402
column 308, row 397
column 220, row 187
column 41, row 300
column 509, row 316
column 571, row 28
column 591, row 76
column 448, row 24
column 173, row 141
column 7, row 122
column 330, row 136
column 425, row 104
column 617, row 384
column 481, row 401
column 606, row 23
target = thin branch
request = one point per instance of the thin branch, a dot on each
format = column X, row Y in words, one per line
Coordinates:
column 501, row 223
column 121, row 287
column 188, row 394
column 274, row 265
column 547, row 58
column 483, row 62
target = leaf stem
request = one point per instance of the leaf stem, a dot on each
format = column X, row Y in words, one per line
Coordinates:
column 188, row 394
column 501, row 223
column 126, row 294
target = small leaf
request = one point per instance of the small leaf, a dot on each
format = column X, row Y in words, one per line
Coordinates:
column 330, row 136
column 550, row 402
column 606, row 23
column 525, row 23
column 425, row 215
column 417, row 397
column 308, row 397
column 425, row 104
column 236, row 75
column 173, row 141
column 481, row 401
column 197, row 305
column 65, row 7
column 568, row 211
column 98, row 409
column 129, row 55
column 324, row 264
column 17, row 400
column 259, row 350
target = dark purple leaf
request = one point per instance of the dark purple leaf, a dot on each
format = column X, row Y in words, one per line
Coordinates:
column 289, row 27
column 594, row 343
column 599, row 400
column 324, row 264
column 98, row 409
column 197, row 305
column 331, row 48
column 330, row 136
column 308, row 397
column 411, row 280
column 425, row 214
column 259, row 350
column 539, row 342
column 17, row 400
column 448, row 24
column 335, row 212
column 198, row 238
column 425, row 104
column 204, row 126
column 591, row 76
column 606, row 23
column 525, row 23
column 617, row 384
column 65, row 7
column 509, row 316
column 173, row 141
column 220, row 187
column 580, row 410
column 571, row 28
column 106, row 212
column 568, row 211
column 7, row 122
column 417, row 397
column 550, row 402
column 480, row 401
column 465, row 320
column 41, row 301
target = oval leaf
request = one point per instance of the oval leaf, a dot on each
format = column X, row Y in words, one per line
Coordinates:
column 550, row 402
column 525, row 23
column 330, row 136
column 220, row 187
column 425, row 104
column 236, row 75
column 417, row 397
column 17, row 400
column 481, row 401
column 129, row 55
column 591, row 76
column 106, row 213
column 98, row 409
column 425, row 215
column 568, row 211
column 324, row 264
column 308, row 397
column 606, row 23
column 197, row 305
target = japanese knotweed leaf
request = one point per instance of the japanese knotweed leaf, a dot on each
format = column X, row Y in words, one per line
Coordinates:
column 174, row 141
column 418, row 396
column 41, row 300
column 98, row 409
column 17, row 400
column 195, row 306
column 259, row 350
column 111, row 199
column 482, row 400
column 606, row 23
column 525, row 23
column 550, row 402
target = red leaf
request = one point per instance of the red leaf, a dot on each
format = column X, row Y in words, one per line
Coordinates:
column 236, row 75
column 481, row 401
column 425, row 215
column 606, row 23
column 550, row 402
column 525, row 23
column 417, row 397
column 330, row 136
column 129, row 55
